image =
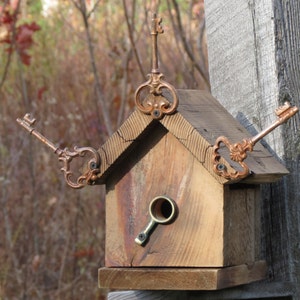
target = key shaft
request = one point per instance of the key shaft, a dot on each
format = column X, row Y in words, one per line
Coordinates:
column 284, row 113
column 27, row 123
column 238, row 151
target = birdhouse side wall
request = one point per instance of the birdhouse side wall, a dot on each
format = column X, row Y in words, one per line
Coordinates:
column 242, row 224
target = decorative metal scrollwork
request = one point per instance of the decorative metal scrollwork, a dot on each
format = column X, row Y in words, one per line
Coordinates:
column 237, row 154
column 238, row 151
column 66, row 156
column 155, row 102
column 90, row 176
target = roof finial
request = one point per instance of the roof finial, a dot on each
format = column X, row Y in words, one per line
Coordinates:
column 154, row 102
column 156, row 28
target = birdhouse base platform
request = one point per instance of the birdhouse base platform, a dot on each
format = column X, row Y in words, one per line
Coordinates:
column 181, row 278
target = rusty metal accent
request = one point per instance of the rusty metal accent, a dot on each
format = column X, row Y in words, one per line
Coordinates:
column 155, row 103
column 238, row 151
column 66, row 156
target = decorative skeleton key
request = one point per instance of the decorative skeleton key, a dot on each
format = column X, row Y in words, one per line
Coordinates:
column 162, row 210
column 66, row 156
column 155, row 103
column 238, row 151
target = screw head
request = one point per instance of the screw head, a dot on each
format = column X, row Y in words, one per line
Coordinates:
column 142, row 236
column 93, row 165
column 156, row 113
column 221, row 167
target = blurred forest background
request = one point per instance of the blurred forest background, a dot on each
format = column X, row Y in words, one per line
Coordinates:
column 75, row 65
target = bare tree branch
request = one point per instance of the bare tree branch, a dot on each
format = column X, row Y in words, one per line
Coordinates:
column 100, row 96
column 6, row 68
column 124, row 87
column 3, row 8
column 130, row 33
column 76, row 4
column 186, row 46
column 93, row 9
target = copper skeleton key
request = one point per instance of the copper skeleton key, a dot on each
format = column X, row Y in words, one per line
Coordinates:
column 238, row 151
column 66, row 156
column 155, row 103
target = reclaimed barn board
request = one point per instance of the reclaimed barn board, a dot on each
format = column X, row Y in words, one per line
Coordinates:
column 162, row 166
column 180, row 278
column 254, row 67
column 200, row 120
column 249, row 291
column 214, row 228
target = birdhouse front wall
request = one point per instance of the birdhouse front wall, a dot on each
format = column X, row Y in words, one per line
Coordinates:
column 161, row 165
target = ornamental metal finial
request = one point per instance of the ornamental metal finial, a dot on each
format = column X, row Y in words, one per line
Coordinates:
column 154, row 102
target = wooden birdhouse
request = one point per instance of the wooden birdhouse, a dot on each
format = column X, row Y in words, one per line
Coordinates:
column 206, row 229
column 182, row 183
column 182, row 203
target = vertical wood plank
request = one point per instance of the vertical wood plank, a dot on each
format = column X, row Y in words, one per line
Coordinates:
column 254, row 67
column 199, row 199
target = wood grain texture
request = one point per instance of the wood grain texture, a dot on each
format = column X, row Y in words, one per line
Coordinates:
column 162, row 166
column 211, row 120
column 147, row 295
column 241, row 35
column 254, row 67
column 276, row 290
column 194, row 142
column 200, row 120
column 121, row 141
column 180, row 278
column 242, row 223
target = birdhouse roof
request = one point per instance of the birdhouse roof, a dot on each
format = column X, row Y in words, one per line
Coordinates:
column 199, row 120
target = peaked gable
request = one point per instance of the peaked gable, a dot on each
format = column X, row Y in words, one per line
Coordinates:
column 200, row 119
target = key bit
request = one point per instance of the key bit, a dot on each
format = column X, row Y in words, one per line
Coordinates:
column 30, row 120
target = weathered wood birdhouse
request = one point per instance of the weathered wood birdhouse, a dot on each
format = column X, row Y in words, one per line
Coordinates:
column 182, row 202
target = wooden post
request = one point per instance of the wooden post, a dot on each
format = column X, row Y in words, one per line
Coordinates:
column 254, row 67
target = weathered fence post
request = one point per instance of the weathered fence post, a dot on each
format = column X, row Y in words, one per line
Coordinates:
column 254, row 66
column 254, row 60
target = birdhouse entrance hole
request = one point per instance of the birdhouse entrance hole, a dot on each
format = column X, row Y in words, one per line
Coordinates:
column 162, row 209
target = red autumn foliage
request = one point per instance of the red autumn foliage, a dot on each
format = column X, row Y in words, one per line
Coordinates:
column 6, row 18
column 41, row 92
column 18, row 37
column 24, row 41
column 84, row 253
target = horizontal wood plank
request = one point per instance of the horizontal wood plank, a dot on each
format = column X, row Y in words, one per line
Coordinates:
column 180, row 278
column 257, row 290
